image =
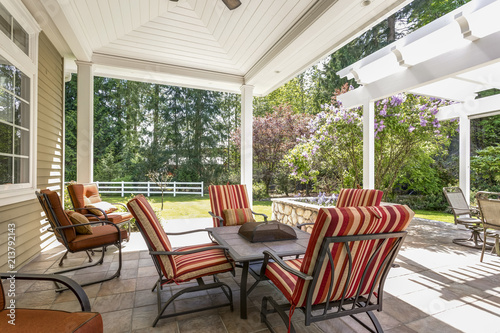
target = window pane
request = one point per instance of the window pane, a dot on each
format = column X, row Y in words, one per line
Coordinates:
column 5, row 21
column 5, row 170
column 6, row 138
column 21, row 37
column 21, row 170
column 6, row 107
column 22, row 85
column 6, row 75
column 21, row 142
column 22, row 113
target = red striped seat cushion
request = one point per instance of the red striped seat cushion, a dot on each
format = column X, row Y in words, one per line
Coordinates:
column 195, row 265
column 155, row 236
column 340, row 222
column 349, row 197
column 227, row 197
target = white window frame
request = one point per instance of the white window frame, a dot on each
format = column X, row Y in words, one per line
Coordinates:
column 28, row 64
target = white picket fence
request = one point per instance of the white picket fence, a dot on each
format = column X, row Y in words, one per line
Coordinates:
column 149, row 188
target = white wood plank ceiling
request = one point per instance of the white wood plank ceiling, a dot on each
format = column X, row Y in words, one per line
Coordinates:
column 201, row 43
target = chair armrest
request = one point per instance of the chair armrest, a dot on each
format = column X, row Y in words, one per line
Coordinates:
column 169, row 253
column 120, row 204
column 221, row 220
column 299, row 226
column 92, row 214
column 89, row 223
column 282, row 264
column 187, row 232
column 265, row 216
column 71, row 284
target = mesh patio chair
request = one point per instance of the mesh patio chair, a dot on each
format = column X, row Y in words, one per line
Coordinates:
column 489, row 207
column 353, row 197
column 343, row 272
column 230, row 205
column 103, row 234
column 463, row 214
column 42, row 320
column 87, row 201
column 181, row 264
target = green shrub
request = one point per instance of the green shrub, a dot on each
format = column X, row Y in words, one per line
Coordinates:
column 259, row 191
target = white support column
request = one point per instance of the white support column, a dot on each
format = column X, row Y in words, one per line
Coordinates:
column 464, row 156
column 247, row 139
column 85, row 123
column 369, row 145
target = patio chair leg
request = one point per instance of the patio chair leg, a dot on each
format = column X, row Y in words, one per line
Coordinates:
column 484, row 245
column 88, row 255
column 373, row 318
column 264, row 311
column 65, row 255
column 101, row 260
column 201, row 286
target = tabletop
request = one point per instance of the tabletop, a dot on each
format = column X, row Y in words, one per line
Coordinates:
column 242, row 250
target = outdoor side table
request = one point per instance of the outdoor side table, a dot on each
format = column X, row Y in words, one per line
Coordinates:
column 245, row 252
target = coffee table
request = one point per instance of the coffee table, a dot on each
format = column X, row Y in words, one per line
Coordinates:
column 245, row 252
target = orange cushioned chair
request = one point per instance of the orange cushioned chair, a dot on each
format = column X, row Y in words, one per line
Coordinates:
column 349, row 255
column 104, row 233
column 230, row 205
column 353, row 197
column 83, row 195
column 38, row 320
column 181, row 264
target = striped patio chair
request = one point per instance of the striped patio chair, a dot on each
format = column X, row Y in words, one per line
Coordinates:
column 352, row 197
column 181, row 264
column 230, row 205
column 349, row 255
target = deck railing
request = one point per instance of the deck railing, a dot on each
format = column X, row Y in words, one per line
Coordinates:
column 149, row 188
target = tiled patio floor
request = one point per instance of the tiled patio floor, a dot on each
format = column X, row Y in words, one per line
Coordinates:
column 439, row 287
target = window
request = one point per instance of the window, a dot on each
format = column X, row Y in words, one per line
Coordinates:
column 15, row 121
column 18, row 77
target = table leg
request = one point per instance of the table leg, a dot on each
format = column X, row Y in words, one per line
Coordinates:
column 243, row 291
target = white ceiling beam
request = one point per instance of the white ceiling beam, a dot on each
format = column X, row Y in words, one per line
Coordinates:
column 479, row 53
column 476, row 108
column 65, row 21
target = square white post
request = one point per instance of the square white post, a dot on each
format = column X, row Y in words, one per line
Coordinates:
column 369, row 145
column 85, row 123
column 464, row 156
column 247, row 139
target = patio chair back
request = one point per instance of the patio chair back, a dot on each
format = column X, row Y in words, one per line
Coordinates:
column 227, row 197
column 78, row 193
column 457, row 202
column 53, row 209
column 154, row 235
column 489, row 205
column 350, row 252
column 352, row 197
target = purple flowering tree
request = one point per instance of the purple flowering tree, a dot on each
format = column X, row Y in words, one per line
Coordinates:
column 331, row 154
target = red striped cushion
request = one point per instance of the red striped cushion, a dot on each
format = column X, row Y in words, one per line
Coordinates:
column 282, row 279
column 227, row 197
column 192, row 266
column 154, row 234
column 340, row 222
column 237, row 216
column 349, row 197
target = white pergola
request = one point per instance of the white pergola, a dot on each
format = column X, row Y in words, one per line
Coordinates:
column 453, row 58
column 251, row 50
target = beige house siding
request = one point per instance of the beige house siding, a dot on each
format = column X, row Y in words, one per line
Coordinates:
column 31, row 233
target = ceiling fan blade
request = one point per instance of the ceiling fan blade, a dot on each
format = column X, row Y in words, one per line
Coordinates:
column 232, row 4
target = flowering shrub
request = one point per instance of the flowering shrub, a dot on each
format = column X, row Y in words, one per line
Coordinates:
column 321, row 200
column 405, row 125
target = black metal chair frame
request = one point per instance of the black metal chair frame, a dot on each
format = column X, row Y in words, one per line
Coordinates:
column 201, row 284
column 66, row 281
column 357, row 304
column 42, row 198
column 475, row 226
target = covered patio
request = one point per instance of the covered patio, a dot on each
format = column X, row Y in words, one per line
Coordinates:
column 438, row 287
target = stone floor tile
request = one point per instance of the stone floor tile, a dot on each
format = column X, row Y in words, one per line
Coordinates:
column 117, row 286
column 205, row 324
column 117, row 321
column 115, row 302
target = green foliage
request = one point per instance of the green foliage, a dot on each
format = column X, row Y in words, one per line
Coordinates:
column 486, row 168
column 259, row 191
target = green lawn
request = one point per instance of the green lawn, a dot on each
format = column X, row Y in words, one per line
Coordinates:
column 195, row 206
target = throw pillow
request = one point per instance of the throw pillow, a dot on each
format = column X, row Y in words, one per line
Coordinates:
column 237, row 216
column 105, row 206
column 77, row 218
